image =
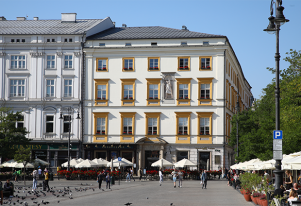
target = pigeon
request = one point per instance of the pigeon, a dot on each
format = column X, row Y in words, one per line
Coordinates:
column 171, row 204
column 58, row 201
column 146, row 197
column 70, row 197
column 128, row 203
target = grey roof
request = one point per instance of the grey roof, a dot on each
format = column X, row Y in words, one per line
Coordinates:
column 154, row 32
column 46, row 26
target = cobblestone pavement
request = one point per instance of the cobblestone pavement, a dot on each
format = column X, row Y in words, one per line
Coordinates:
column 148, row 193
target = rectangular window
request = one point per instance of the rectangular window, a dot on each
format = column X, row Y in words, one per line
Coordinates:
column 102, row 44
column 101, row 92
column 18, row 62
column 67, row 88
column 204, row 126
column 50, row 61
column 205, row 91
column 20, row 121
column 50, row 88
column 183, row 91
column 152, row 126
column 205, row 63
column 128, row 92
column 102, row 64
column 23, row 40
column 153, row 43
column 153, row 64
column 153, row 91
column 128, row 44
column 67, row 123
column 184, row 43
column 68, row 61
column 70, row 40
column 53, row 40
column 205, row 42
column 183, row 63
column 127, row 126
column 17, row 88
column 128, row 64
column 217, row 159
column 101, row 126
column 183, row 126
column 48, row 40
column 49, row 123
column 181, row 155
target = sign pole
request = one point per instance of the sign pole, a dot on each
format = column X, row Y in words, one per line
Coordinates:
column 277, row 155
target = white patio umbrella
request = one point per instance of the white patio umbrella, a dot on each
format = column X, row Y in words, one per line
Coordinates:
column 100, row 162
column 161, row 163
column 73, row 162
column 292, row 164
column 20, row 165
column 80, row 160
column 123, row 162
column 185, row 162
column 42, row 162
column 86, row 164
column 9, row 163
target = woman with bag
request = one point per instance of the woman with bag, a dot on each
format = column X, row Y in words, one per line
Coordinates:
column 174, row 177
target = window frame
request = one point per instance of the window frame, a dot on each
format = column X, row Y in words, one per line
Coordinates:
column 128, row 102
column 54, row 85
column 20, row 121
column 127, row 137
column 200, row 62
column 51, row 68
column 18, row 68
column 64, row 121
column 64, row 67
column 181, row 102
column 208, row 139
column 184, row 69
column 153, row 102
column 71, row 96
column 149, row 115
column 187, row 136
column 17, row 88
column 123, row 64
column 97, row 62
column 148, row 64
column 53, row 122
column 205, row 102
column 100, row 137
column 101, row 102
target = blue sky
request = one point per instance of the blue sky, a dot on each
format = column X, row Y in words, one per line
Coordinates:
column 242, row 21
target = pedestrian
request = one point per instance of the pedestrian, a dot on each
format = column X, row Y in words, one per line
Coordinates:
column 288, row 180
column 127, row 176
column 35, row 176
column 160, row 176
column 16, row 175
column 174, row 178
column 131, row 174
column 180, row 175
column 8, row 186
column 204, row 179
column 40, row 172
column 99, row 179
column 140, row 174
column 46, row 174
column 108, row 179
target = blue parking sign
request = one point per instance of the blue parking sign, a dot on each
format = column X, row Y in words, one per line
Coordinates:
column 119, row 158
column 277, row 134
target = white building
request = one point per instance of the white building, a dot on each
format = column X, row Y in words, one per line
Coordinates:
column 40, row 75
column 155, row 92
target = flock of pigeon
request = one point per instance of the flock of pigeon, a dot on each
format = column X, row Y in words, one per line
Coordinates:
column 25, row 196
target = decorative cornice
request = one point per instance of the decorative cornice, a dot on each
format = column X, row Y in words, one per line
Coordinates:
column 59, row 54
column 37, row 54
column 77, row 54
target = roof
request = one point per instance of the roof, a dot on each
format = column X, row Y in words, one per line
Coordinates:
column 47, row 27
column 154, row 32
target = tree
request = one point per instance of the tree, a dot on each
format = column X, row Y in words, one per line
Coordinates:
column 23, row 156
column 10, row 135
column 256, row 125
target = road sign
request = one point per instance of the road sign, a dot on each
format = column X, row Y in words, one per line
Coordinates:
column 277, row 134
column 277, row 155
column 277, row 144
column 119, row 158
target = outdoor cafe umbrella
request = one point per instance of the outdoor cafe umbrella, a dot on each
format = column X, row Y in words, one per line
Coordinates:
column 42, row 162
column 100, row 162
column 73, row 162
column 86, row 164
column 116, row 163
column 80, row 160
column 185, row 162
column 10, row 163
column 21, row 165
column 161, row 163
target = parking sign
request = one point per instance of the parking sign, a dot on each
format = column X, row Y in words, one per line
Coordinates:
column 277, row 134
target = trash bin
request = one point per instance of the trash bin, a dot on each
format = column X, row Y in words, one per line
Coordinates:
column 113, row 180
column 51, row 176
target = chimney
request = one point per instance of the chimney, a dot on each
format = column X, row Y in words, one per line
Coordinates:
column 114, row 23
column 2, row 18
column 68, row 17
column 184, row 27
column 36, row 18
column 21, row 18
column 123, row 25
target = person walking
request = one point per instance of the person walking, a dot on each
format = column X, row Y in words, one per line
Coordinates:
column 140, row 174
column 40, row 172
column 127, row 176
column 180, row 175
column 204, row 179
column 160, row 176
column 46, row 174
column 174, row 178
column 99, row 179
column 131, row 174
column 35, row 177
column 108, row 180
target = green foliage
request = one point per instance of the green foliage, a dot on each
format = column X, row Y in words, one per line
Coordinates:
column 9, row 134
column 256, row 125
column 23, row 155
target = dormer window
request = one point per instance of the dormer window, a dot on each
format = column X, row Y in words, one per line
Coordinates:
column 70, row 39
column 18, row 40
column 183, row 43
column 65, row 40
column 154, row 44
column 128, row 44
column 53, row 40
column 205, row 42
column 23, row 40
column 12, row 40
column 102, row 44
column 48, row 40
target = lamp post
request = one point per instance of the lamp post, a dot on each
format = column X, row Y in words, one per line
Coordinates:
column 69, row 110
column 274, row 27
column 237, row 110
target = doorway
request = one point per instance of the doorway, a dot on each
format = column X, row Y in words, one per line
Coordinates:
column 150, row 158
column 204, row 160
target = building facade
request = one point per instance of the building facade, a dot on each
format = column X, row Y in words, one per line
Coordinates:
column 40, row 75
column 157, row 92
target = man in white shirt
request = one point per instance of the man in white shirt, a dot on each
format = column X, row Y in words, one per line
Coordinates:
column 160, row 176
column 40, row 172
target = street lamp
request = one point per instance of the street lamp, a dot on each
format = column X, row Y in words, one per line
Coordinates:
column 69, row 110
column 237, row 110
column 274, row 27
